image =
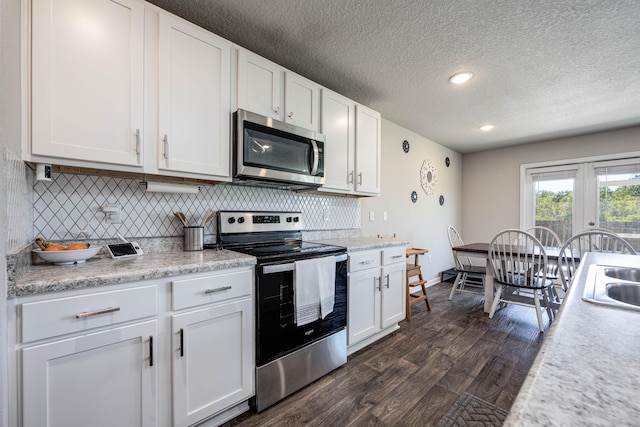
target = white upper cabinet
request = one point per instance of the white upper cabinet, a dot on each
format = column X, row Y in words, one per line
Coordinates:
column 193, row 99
column 338, row 127
column 352, row 147
column 87, row 80
column 259, row 85
column 367, row 168
column 301, row 101
column 260, row 91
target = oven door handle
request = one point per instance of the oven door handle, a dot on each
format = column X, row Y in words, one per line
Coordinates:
column 290, row 266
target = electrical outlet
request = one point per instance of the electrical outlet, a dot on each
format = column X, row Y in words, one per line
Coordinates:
column 384, row 216
column 112, row 214
column 429, row 259
column 372, row 216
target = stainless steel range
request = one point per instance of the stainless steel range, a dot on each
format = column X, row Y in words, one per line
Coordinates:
column 290, row 353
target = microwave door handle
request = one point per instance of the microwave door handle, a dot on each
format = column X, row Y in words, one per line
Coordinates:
column 316, row 158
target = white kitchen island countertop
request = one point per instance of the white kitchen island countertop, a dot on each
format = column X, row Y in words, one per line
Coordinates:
column 587, row 372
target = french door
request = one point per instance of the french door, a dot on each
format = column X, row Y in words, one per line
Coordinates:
column 572, row 197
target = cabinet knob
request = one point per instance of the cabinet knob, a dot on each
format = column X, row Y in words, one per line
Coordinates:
column 277, row 110
column 291, row 115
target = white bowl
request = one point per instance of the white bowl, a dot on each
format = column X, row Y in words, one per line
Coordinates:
column 67, row 257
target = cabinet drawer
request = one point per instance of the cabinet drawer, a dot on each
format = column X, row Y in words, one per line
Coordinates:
column 209, row 289
column 363, row 260
column 393, row 255
column 44, row 319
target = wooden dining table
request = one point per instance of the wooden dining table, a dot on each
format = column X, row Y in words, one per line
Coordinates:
column 481, row 250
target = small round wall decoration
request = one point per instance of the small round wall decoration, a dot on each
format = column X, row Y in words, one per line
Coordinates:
column 405, row 146
column 428, row 177
column 447, row 162
column 414, row 196
column 441, row 200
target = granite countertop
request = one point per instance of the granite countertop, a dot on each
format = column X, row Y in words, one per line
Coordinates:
column 363, row 243
column 98, row 271
column 587, row 372
column 42, row 278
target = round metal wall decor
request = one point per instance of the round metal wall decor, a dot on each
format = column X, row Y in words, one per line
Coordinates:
column 428, row 178
column 447, row 162
column 414, row 196
column 405, row 146
column 441, row 200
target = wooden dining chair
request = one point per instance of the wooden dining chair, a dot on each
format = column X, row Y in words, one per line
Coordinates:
column 588, row 241
column 469, row 278
column 519, row 264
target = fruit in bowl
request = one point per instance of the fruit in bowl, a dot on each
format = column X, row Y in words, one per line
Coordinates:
column 74, row 253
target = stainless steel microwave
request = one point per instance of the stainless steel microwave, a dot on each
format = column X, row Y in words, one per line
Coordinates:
column 271, row 151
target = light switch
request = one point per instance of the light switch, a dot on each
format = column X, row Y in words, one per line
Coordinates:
column 372, row 216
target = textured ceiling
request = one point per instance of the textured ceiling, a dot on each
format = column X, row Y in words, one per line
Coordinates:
column 543, row 68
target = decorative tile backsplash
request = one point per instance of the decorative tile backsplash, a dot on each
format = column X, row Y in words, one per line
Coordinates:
column 69, row 207
column 18, row 180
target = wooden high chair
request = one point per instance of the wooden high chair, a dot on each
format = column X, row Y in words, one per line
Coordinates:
column 414, row 270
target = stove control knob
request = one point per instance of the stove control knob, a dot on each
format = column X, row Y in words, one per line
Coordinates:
column 240, row 220
column 288, row 219
column 296, row 219
column 231, row 220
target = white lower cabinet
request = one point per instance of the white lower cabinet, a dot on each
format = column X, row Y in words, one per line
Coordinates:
column 105, row 379
column 376, row 295
column 175, row 352
column 212, row 360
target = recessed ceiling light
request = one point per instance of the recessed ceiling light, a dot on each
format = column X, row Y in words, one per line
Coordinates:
column 460, row 78
column 487, row 128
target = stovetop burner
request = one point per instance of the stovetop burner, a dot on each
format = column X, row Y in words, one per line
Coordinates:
column 269, row 236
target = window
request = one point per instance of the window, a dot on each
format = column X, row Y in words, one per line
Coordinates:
column 572, row 197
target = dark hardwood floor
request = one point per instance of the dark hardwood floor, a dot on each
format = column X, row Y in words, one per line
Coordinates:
column 413, row 376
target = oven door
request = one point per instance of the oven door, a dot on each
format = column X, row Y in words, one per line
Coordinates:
column 266, row 149
column 276, row 331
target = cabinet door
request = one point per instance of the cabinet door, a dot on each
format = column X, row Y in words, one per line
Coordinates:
column 103, row 379
column 301, row 101
column 338, row 120
column 364, row 305
column 393, row 294
column 87, row 80
column 213, row 364
column 259, row 85
column 367, row 151
column 194, row 99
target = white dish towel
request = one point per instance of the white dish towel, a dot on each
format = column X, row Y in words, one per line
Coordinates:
column 314, row 287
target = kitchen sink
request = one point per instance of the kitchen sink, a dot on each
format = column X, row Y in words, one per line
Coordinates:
column 628, row 293
column 629, row 274
column 611, row 286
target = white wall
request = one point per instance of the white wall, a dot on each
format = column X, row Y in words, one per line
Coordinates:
column 422, row 223
column 491, row 179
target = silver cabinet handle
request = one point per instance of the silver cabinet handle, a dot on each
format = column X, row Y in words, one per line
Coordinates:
column 166, row 146
column 97, row 312
column 138, row 142
column 277, row 110
column 360, row 178
column 367, row 262
column 387, row 276
column 351, row 177
column 398, row 256
column 379, row 280
column 213, row 291
column 291, row 115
